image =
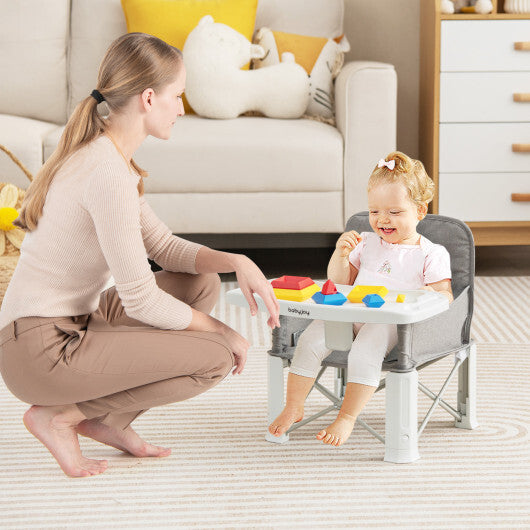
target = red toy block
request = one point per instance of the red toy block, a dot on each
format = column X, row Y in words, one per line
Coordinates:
column 296, row 283
column 329, row 288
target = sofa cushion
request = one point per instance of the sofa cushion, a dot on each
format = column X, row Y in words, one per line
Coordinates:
column 249, row 213
column 33, row 44
column 318, row 18
column 244, row 155
column 24, row 138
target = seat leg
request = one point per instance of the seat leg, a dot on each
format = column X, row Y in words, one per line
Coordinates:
column 339, row 382
column 275, row 393
column 467, row 390
column 401, row 417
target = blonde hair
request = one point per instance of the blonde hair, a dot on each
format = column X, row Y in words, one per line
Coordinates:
column 133, row 62
column 409, row 172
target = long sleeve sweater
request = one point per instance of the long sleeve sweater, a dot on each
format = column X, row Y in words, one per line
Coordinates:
column 94, row 225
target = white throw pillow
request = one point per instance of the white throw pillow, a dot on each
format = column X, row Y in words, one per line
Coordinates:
column 216, row 87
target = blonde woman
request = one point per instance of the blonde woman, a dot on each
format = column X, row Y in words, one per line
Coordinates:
column 90, row 362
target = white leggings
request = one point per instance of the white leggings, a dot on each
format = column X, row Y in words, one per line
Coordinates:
column 372, row 342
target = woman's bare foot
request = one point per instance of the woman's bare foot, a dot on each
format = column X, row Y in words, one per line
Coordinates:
column 339, row 431
column 126, row 440
column 288, row 416
column 55, row 428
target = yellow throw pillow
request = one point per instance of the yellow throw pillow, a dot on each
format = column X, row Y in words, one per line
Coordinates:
column 173, row 20
column 305, row 49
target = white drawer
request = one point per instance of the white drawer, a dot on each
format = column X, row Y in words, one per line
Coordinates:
column 483, row 147
column 484, row 197
column 484, row 96
column 484, row 45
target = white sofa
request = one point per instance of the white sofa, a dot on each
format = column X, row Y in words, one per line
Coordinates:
column 249, row 175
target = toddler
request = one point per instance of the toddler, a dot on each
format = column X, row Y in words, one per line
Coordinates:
column 393, row 255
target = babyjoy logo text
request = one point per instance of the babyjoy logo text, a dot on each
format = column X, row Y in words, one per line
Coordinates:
column 299, row 312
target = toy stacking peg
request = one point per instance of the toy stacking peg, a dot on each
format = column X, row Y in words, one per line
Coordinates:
column 360, row 291
column 294, row 288
column 329, row 295
column 329, row 299
column 373, row 300
column 329, row 288
column 292, row 282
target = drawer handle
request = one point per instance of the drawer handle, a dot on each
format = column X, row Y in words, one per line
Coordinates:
column 522, row 97
column 521, row 197
column 521, row 148
column 522, row 46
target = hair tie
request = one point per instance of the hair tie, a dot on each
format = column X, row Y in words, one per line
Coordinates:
column 96, row 94
column 391, row 164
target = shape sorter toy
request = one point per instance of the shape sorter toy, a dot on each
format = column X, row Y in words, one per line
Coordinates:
column 373, row 300
column 419, row 305
column 357, row 294
column 329, row 295
column 294, row 288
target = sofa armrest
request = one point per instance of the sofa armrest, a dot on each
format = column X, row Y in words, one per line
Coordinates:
column 366, row 107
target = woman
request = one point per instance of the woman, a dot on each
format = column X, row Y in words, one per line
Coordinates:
column 92, row 362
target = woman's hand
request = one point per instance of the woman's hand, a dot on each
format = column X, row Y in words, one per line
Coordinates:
column 239, row 347
column 251, row 280
column 347, row 242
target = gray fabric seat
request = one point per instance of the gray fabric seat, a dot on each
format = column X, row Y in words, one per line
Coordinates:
column 419, row 344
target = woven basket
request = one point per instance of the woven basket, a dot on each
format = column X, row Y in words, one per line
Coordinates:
column 9, row 260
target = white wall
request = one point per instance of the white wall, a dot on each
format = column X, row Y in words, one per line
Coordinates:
column 388, row 31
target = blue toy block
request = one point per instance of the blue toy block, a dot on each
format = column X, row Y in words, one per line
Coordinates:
column 329, row 299
column 373, row 300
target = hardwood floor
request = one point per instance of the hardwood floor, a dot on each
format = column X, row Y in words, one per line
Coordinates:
column 312, row 262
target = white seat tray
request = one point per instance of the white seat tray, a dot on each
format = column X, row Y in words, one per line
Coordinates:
column 418, row 305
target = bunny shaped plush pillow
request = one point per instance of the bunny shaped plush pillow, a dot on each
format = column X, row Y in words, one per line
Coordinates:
column 322, row 58
column 216, row 87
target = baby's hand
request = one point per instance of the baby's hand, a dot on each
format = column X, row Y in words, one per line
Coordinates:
column 428, row 288
column 347, row 242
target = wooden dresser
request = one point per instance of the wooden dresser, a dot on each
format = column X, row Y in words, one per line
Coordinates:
column 475, row 119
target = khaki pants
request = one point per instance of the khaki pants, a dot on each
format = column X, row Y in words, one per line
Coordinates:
column 111, row 366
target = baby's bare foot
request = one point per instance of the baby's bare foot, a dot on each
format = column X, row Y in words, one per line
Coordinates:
column 339, row 431
column 126, row 440
column 288, row 416
column 57, row 432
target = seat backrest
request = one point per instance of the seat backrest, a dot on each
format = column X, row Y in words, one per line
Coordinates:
column 33, row 44
column 452, row 233
column 317, row 18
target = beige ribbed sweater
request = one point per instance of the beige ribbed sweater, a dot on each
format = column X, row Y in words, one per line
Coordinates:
column 95, row 225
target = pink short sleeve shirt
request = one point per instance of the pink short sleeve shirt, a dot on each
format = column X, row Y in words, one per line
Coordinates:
column 399, row 266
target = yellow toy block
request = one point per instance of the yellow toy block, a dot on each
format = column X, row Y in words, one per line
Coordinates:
column 360, row 291
column 295, row 295
column 400, row 298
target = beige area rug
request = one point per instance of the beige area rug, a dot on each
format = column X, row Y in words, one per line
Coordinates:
column 223, row 474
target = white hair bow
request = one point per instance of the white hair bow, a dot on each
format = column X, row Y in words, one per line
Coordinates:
column 391, row 164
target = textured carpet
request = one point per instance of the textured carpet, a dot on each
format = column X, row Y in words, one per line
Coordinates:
column 223, row 474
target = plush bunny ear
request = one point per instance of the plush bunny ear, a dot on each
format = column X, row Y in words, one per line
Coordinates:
column 256, row 51
column 344, row 45
column 207, row 19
